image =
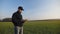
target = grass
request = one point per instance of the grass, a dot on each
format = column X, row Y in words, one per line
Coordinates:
column 33, row 27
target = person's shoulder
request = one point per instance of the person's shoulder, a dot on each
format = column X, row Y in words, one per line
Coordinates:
column 15, row 13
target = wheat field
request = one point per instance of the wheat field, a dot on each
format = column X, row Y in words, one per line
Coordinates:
column 33, row 27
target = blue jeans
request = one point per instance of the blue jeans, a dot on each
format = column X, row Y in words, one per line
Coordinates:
column 18, row 30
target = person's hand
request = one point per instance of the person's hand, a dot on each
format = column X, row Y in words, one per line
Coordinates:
column 24, row 20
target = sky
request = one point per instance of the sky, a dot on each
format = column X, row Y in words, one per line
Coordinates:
column 33, row 9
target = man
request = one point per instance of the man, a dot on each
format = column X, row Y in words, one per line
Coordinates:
column 18, row 21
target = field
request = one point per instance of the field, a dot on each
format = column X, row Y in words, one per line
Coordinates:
column 33, row 27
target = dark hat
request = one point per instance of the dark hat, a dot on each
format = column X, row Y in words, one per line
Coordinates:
column 20, row 7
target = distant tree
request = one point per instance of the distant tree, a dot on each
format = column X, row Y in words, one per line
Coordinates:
column 0, row 20
column 7, row 20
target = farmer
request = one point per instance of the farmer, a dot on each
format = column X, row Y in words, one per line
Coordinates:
column 18, row 21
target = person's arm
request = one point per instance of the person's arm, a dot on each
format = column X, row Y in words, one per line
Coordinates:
column 14, row 19
column 21, row 19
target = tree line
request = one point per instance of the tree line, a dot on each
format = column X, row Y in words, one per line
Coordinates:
column 6, row 20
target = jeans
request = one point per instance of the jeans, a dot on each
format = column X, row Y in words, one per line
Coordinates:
column 18, row 30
